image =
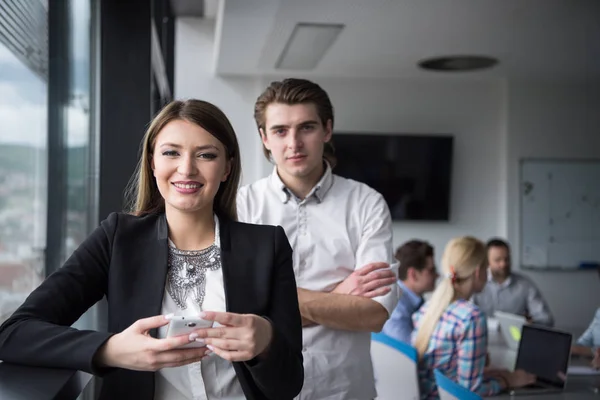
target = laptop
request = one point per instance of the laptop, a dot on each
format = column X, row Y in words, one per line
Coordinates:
column 545, row 353
column 510, row 326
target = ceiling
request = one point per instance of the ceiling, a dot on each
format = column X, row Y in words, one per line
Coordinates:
column 544, row 39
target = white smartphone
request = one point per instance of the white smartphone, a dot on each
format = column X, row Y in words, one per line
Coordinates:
column 180, row 325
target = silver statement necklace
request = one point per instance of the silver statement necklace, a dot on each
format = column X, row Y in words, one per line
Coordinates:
column 186, row 274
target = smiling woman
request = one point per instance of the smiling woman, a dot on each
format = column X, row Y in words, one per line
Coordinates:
column 187, row 140
column 179, row 251
column 189, row 165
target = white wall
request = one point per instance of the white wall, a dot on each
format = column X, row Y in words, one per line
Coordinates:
column 194, row 78
column 554, row 120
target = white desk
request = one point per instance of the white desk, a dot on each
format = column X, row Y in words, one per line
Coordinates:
column 578, row 387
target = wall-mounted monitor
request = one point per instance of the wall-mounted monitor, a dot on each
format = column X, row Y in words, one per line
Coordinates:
column 412, row 172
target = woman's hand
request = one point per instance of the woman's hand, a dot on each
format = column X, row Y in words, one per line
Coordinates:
column 596, row 359
column 520, row 378
column 496, row 373
column 135, row 349
column 241, row 337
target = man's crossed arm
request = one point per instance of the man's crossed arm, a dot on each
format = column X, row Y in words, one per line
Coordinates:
column 350, row 306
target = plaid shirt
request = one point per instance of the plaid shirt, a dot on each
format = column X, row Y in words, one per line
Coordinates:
column 458, row 348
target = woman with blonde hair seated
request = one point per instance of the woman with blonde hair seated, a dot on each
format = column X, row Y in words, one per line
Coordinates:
column 451, row 332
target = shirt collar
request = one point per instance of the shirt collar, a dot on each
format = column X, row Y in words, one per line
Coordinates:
column 504, row 284
column 319, row 190
column 412, row 297
column 277, row 184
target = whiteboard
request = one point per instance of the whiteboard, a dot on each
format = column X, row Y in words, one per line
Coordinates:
column 560, row 213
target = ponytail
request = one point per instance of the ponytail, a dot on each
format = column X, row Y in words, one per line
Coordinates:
column 462, row 257
column 440, row 300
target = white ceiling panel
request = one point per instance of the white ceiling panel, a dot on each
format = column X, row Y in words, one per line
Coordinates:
column 545, row 39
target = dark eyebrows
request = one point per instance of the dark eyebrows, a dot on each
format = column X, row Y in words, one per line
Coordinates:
column 308, row 123
column 303, row 123
column 278, row 127
column 205, row 147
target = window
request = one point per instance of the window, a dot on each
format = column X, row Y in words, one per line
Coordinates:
column 79, row 144
column 45, row 121
column 23, row 150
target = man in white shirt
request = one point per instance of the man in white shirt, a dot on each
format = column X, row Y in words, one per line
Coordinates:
column 341, row 233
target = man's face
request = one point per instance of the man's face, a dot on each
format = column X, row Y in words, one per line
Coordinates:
column 499, row 261
column 296, row 139
column 425, row 279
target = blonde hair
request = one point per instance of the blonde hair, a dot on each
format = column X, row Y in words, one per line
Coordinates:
column 462, row 257
column 142, row 192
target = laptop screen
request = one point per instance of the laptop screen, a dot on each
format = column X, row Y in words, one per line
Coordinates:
column 545, row 353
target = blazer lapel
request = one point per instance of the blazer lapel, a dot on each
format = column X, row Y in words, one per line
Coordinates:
column 239, row 271
column 227, row 261
column 155, row 274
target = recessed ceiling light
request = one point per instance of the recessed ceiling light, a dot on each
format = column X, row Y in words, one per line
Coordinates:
column 458, row 63
column 307, row 45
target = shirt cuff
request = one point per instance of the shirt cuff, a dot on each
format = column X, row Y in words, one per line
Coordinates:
column 390, row 300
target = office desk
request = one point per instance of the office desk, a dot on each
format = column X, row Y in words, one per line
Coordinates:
column 18, row 382
column 578, row 387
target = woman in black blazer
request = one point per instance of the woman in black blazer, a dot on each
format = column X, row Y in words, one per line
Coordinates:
column 184, row 206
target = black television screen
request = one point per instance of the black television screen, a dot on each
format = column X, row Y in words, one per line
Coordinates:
column 412, row 172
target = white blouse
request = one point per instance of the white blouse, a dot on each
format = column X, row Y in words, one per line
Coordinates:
column 211, row 378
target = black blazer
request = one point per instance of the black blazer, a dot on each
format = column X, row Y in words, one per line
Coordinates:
column 125, row 259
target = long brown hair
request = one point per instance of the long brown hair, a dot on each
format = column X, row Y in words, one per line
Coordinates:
column 142, row 192
column 296, row 91
column 462, row 257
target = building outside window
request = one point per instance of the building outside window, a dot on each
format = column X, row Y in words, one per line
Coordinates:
column 23, row 149
column 25, row 140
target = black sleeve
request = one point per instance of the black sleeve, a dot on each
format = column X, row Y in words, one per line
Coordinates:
column 281, row 374
column 39, row 332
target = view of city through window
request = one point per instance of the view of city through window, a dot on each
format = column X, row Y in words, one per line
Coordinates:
column 23, row 189
column 24, row 144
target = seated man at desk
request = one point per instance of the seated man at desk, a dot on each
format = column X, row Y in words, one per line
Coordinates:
column 416, row 276
column 588, row 345
column 508, row 291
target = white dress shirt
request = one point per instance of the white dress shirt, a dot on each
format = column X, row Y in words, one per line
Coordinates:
column 211, row 378
column 340, row 226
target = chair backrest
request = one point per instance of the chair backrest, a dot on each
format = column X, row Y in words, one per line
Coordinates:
column 395, row 367
column 450, row 390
